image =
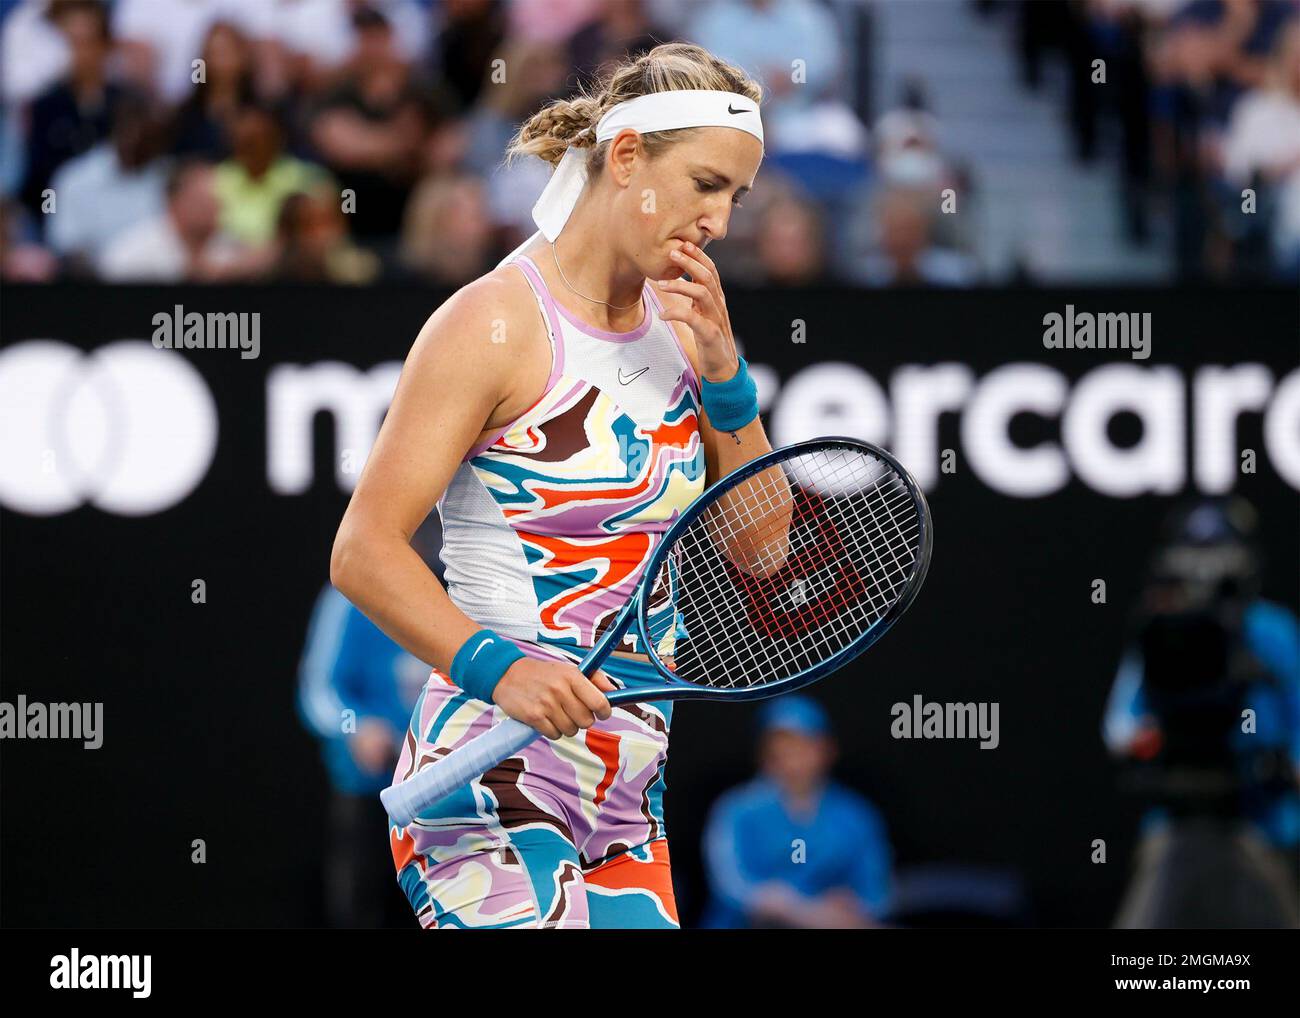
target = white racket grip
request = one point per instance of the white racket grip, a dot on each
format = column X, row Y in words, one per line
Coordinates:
column 459, row 767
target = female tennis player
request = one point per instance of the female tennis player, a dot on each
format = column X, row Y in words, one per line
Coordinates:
column 562, row 411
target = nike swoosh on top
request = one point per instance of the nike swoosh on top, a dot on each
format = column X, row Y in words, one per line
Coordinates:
column 633, row 377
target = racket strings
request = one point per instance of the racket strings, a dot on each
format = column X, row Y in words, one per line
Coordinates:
column 788, row 568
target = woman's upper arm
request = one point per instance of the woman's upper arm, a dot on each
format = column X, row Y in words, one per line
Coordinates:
column 456, row 374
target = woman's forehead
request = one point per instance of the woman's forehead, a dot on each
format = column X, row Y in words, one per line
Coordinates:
column 724, row 150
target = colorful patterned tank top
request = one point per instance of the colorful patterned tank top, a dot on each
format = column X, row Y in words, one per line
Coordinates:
column 548, row 525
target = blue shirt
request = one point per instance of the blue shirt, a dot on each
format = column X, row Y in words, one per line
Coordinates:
column 350, row 664
column 97, row 200
column 751, row 839
column 1272, row 634
column 766, row 40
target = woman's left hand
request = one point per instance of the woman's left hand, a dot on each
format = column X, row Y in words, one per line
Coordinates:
column 706, row 315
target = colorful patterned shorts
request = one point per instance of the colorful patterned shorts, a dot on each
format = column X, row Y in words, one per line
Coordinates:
column 566, row 834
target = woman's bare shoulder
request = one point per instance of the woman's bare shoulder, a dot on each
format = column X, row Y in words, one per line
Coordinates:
column 486, row 342
column 489, row 322
column 496, row 301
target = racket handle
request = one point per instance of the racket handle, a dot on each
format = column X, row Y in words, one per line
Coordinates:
column 406, row 799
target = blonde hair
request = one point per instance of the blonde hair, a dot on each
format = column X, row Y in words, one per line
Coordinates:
column 666, row 68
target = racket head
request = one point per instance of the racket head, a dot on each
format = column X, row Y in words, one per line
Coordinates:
column 856, row 514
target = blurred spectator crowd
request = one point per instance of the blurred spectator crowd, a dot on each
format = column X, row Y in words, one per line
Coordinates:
column 349, row 141
column 1206, row 112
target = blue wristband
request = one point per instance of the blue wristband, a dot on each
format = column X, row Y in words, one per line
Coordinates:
column 731, row 404
column 481, row 661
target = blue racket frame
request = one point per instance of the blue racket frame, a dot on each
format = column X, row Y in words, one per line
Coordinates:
column 637, row 606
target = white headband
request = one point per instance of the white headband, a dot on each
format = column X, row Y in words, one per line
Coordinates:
column 658, row 111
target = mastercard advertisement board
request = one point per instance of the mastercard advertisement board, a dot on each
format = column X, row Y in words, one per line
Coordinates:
column 157, row 441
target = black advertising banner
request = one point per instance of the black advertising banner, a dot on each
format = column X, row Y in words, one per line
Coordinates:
column 1052, row 430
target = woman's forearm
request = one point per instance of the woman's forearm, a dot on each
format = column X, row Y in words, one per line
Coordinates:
column 388, row 580
column 735, row 449
column 753, row 519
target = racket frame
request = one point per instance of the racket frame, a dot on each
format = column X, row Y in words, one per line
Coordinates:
column 634, row 612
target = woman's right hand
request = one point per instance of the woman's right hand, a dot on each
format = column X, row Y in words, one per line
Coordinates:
column 553, row 697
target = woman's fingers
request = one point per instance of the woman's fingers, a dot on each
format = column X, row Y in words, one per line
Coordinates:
column 602, row 681
column 704, row 280
column 701, row 273
column 702, row 267
column 575, row 704
column 576, row 713
column 592, row 698
column 706, row 274
column 690, row 316
column 698, row 292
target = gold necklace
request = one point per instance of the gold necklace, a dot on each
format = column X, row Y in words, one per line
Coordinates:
column 616, row 307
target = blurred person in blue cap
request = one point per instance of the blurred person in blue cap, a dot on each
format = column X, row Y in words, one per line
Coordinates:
column 793, row 848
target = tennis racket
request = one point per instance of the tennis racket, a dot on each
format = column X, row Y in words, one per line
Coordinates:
column 783, row 571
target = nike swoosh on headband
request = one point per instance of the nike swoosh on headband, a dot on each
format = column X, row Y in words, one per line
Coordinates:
column 730, row 110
